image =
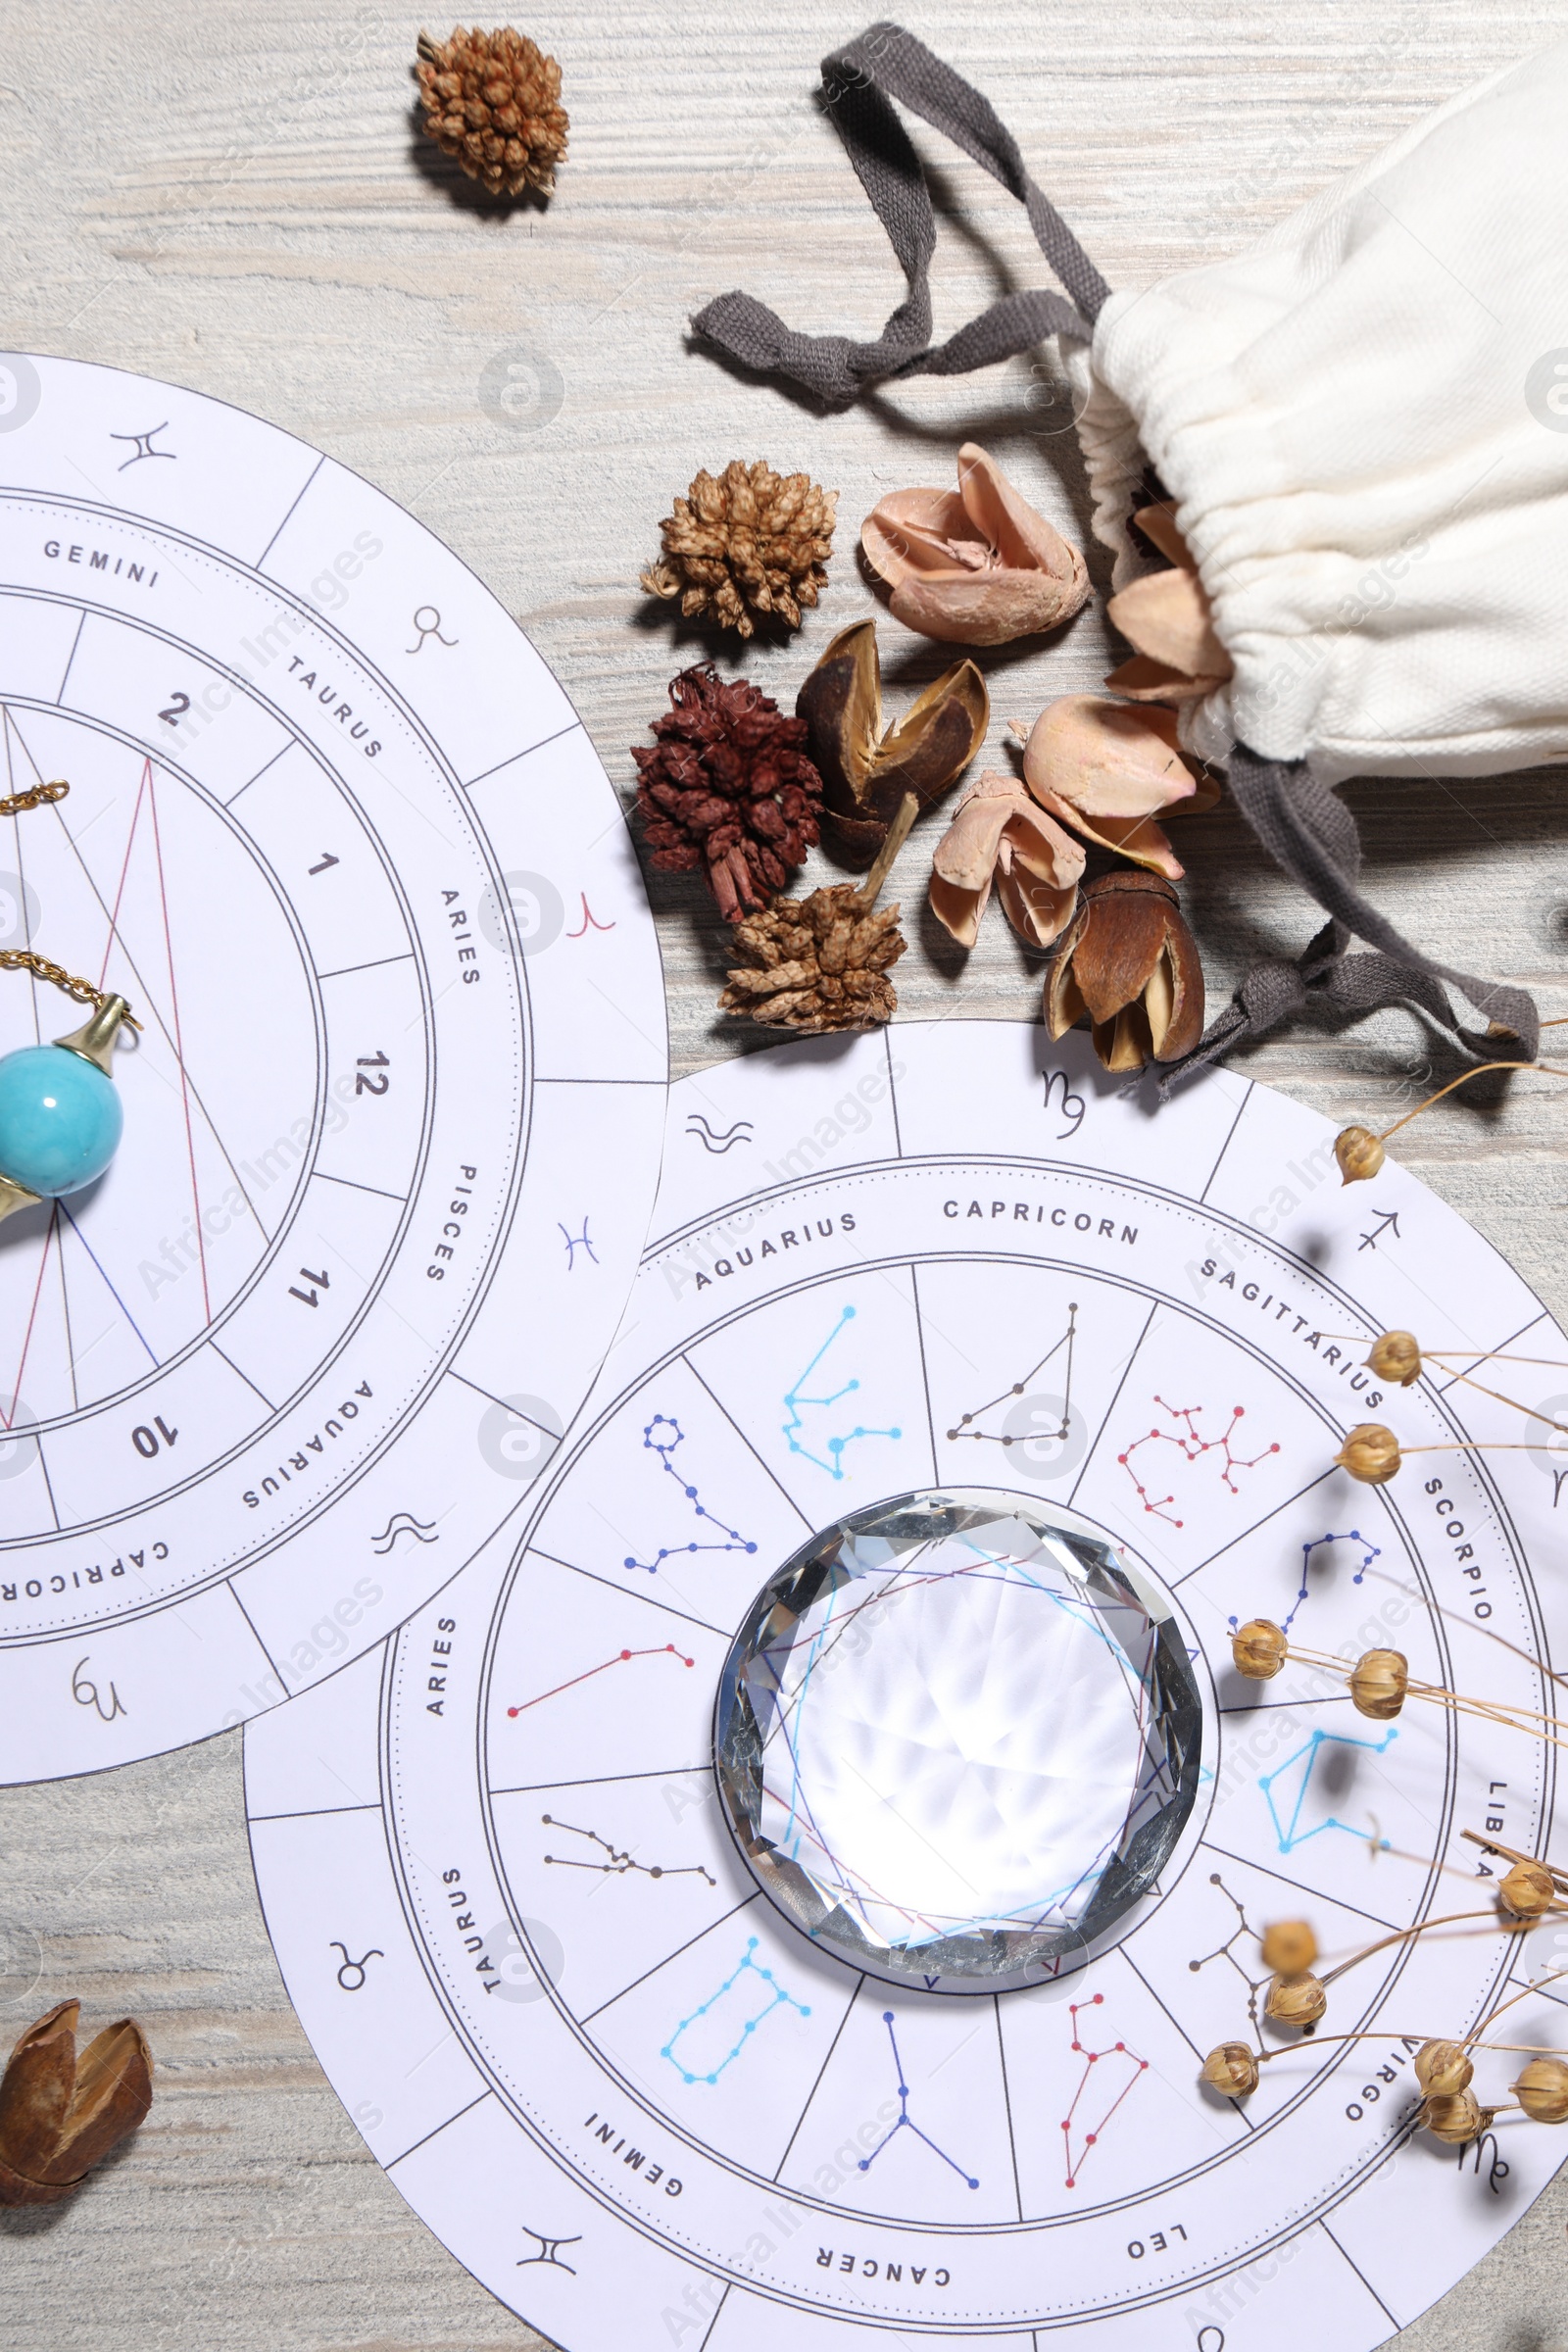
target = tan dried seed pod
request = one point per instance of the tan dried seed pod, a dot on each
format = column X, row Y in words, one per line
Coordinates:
column 1396, row 1356
column 1528, row 1890
column 1258, row 1649
column 1541, row 2091
column 1296, row 1999
column 1358, row 1152
column 1379, row 1682
column 1289, row 1948
column 1456, row 2117
column 1371, row 1453
column 1231, row 2070
column 1442, row 2068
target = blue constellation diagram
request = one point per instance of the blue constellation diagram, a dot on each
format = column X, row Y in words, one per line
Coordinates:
column 794, row 1397
column 664, row 1447
column 905, row 2121
column 1290, row 1832
column 1369, row 1554
column 776, row 1999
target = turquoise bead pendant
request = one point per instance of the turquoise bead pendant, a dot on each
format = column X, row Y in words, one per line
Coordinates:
column 60, row 1113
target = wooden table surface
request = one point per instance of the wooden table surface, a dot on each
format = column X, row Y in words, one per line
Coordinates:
column 233, row 197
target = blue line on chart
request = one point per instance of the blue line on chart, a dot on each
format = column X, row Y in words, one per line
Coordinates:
column 905, row 2122
column 778, row 1998
column 665, row 1449
column 1291, row 1835
column 1369, row 1554
column 794, row 1399
column 108, row 1285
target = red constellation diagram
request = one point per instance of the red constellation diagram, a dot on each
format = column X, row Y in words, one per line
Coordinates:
column 1191, row 1446
column 621, row 1657
column 1093, row 2087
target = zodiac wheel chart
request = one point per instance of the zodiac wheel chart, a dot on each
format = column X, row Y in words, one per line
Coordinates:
column 392, row 1122
column 956, row 1279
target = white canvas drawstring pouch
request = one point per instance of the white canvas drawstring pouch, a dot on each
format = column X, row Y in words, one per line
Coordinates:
column 1361, row 422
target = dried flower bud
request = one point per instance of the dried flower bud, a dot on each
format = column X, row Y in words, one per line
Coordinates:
column 1442, row 2068
column 999, row 834
column 1105, row 768
column 1128, row 960
column 1232, row 2070
column 1379, row 1681
column 1296, row 1999
column 1528, row 1890
column 1289, row 1948
column 976, row 566
column 1259, row 1649
column 1370, row 1454
column 1358, row 1152
column 1541, row 2091
column 868, row 765
column 1458, row 2118
column 1395, row 1357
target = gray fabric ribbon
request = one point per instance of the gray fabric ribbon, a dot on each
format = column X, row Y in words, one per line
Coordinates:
column 1308, row 831
column 858, row 83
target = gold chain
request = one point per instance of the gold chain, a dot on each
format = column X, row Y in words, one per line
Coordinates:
column 38, row 798
column 22, row 960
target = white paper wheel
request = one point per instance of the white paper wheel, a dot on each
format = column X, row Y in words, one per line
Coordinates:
column 392, row 1126
column 646, row 2110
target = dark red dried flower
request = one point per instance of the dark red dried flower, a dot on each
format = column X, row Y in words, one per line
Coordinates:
column 728, row 790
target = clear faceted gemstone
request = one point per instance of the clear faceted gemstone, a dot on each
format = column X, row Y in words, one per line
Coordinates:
column 958, row 1734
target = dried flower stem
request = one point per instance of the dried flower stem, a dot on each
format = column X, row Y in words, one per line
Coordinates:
column 898, row 834
column 1402, row 1936
column 1546, row 1069
column 1489, row 1845
column 1516, row 1719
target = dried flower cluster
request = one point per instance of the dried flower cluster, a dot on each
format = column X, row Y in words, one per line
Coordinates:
column 1165, row 617
column 974, row 565
column 492, row 101
column 60, row 2112
column 744, row 545
column 866, row 769
column 728, row 790
column 1000, row 835
column 1296, row 1998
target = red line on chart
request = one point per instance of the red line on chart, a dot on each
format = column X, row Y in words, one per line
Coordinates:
column 180, row 1044
column 37, row 1290
column 1092, row 2059
column 665, row 1650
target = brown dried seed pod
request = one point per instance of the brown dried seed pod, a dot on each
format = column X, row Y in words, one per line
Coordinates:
column 1541, row 2091
column 1296, row 1999
column 866, row 770
column 61, row 2113
column 1130, row 963
column 1230, row 2068
column 1379, row 1682
column 1258, row 1649
column 1289, row 1948
column 1528, row 1890
column 1371, row 1453
column 1442, row 2068
column 1396, row 1356
column 1358, row 1152
column 1456, row 2118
